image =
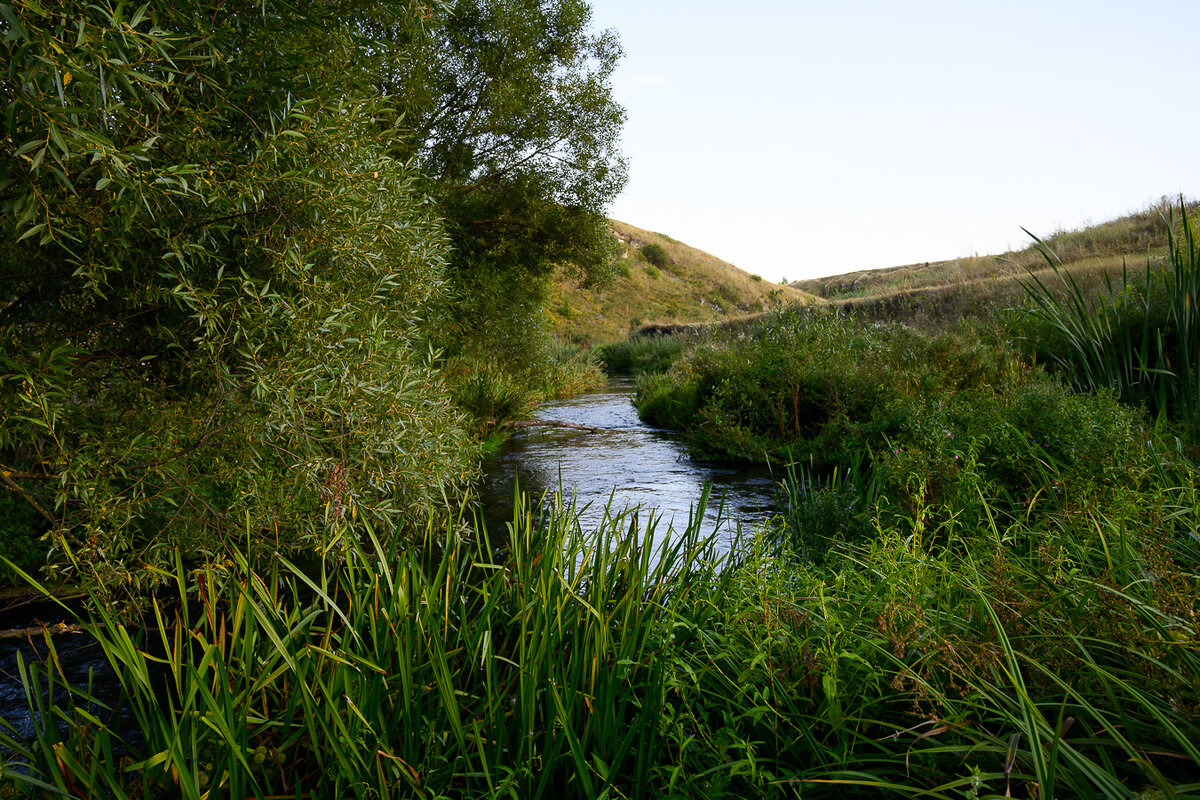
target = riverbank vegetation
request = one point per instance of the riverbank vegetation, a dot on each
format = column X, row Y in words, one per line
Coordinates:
column 1043, row 655
column 635, row 355
column 252, row 278
column 813, row 384
column 272, row 273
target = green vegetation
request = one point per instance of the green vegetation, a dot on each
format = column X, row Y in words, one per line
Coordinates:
column 635, row 355
column 656, row 254
column 815, row 387
column 215, row 277
column 1140, row 338
column 509, row 116
column 1007, row 557
column 980, row 583
column 272, row 275
column 537, row 675
column 1036, row 656
column 237, row 276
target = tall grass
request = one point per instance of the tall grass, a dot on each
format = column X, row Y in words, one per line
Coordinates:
column 493, row 393
column 640, row 354
column 1141, row 337
column 448, row 672
column 1046, row 657
column 1049, row 654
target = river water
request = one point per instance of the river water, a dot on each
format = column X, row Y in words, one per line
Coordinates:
column 623, row 464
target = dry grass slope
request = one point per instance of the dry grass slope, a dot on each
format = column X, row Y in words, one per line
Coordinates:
column 691, row 287
column 935, row 292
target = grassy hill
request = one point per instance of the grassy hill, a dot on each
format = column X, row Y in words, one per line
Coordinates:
column 935, row 291
column 688, row 285
column 691, row 286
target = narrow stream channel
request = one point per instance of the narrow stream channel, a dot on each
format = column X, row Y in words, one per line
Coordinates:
column 625, row 461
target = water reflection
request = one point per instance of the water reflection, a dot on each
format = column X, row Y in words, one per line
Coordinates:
column 624, row 463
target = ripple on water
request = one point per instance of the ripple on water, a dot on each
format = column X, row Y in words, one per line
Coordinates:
column 624, row 464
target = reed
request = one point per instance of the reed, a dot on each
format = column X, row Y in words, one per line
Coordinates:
column 1138, row 337
column 446, row 671
column 636, row 355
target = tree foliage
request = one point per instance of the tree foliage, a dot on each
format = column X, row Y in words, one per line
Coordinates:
column 511, row 115
column 214, row 279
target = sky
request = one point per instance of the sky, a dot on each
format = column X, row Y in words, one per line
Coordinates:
column 801, row 139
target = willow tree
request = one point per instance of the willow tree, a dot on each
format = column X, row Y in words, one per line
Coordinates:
column 214, row 276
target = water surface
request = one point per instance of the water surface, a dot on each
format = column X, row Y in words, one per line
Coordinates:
column 624, row 463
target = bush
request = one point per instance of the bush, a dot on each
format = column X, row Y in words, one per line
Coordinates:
column 216, row 329
column 656, row 254
column 942, row 418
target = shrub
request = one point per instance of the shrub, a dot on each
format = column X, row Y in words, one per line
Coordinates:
column 943, row 418
column 656, row 254
column 215, row 330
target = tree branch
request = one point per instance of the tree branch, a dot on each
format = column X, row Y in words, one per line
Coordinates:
column 16, row 487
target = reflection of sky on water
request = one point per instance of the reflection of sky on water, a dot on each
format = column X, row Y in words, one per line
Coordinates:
column 625, row 461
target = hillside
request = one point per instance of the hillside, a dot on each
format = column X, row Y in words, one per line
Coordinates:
column 934, row 291
column 689, row 286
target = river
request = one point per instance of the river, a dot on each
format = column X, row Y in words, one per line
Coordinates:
column 623, row 464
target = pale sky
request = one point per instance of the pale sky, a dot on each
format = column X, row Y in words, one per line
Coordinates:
column 800, row 139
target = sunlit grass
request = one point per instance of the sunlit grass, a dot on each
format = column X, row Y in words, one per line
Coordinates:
column 691, row 287
column 934, row 294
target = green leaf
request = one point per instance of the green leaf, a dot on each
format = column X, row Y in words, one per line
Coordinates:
column 31, row 231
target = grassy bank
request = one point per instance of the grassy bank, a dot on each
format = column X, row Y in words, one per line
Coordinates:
column 491, row 393
column 636, row 355
column 1049, row 655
